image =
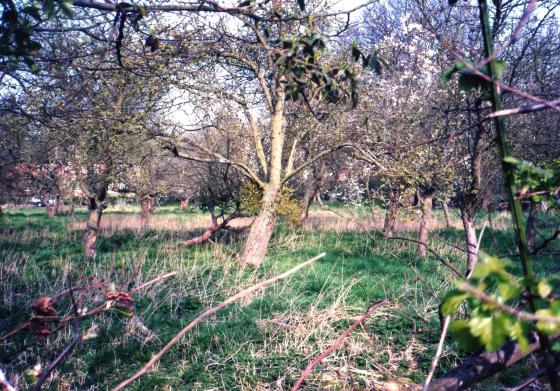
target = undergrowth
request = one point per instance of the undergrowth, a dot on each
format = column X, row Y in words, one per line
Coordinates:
column 261, row 343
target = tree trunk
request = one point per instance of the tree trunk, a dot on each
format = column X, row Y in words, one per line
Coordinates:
column 426, row 208
column 256, row 246
column 52, row 210
column 205, row 236
column 446, row 214
column 311, row 191
column 71, row 210
column 391, row 214
column 184, row 205
column 259, row 236
column 95, row 210
column 471, row 200
column 308, row 197
column 146, row 210
column 534, row 210
column 470, row 237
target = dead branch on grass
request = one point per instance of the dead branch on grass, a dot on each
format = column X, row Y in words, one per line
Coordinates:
column 336, row 344
column 261, row 285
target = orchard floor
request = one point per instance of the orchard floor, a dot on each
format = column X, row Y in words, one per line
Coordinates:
column 262, row 342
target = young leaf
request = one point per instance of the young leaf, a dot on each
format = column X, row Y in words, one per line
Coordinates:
column 492, row 331
column 452, row 301
column 461, row 332
column 544, row 288
column 511, row 160
column 499, row 66
column 519, row 332
column 449, row 72
column 547, row 328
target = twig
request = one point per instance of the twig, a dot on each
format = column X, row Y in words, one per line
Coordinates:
column 338, row 342
column 506, row 308
column 439, row 257
column 446, row 323
column 524, row 109
column 211, row 311
column 530, row 380
column 45, row 374
column 4, row 383
column 157, row 279
column 439, row 350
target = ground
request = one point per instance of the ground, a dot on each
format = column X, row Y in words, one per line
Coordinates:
column 261, row 343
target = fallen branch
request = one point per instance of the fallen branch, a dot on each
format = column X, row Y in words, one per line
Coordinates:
column 482, row 366
column 261, row 285
column 214, row 227
column 338, row 342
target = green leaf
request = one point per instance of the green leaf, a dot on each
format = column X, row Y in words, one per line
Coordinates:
column 511, row 160
column 547, row 328
column 492, row 331
column 469, row 81
column 508, row 290
column 461, row 331
column 449, row 72
column 519, row 331
column 489, row 265
column 544, row 288
column 452, row 301
column 499, row 66
column 374, row 63
column 66, row 7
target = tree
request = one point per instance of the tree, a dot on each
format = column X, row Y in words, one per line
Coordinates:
column 272, row 65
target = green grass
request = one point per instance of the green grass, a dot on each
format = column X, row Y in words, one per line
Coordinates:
column 261, row 343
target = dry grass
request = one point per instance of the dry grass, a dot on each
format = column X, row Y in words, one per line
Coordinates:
column 319, row 220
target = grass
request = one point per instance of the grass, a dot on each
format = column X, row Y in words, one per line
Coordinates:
column 261, row 343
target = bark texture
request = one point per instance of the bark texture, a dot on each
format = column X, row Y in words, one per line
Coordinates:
column 256, row 246
column 95, row 211
column 470, row 238
column 470, row 200
column 146, row 210
column 481, row 366
column 311, row 192
column 426, row 208
column 445, row 207
column 391, row 214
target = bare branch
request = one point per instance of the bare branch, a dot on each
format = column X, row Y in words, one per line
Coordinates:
column 336, row 344
column 553, row 104
column 257, row 287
